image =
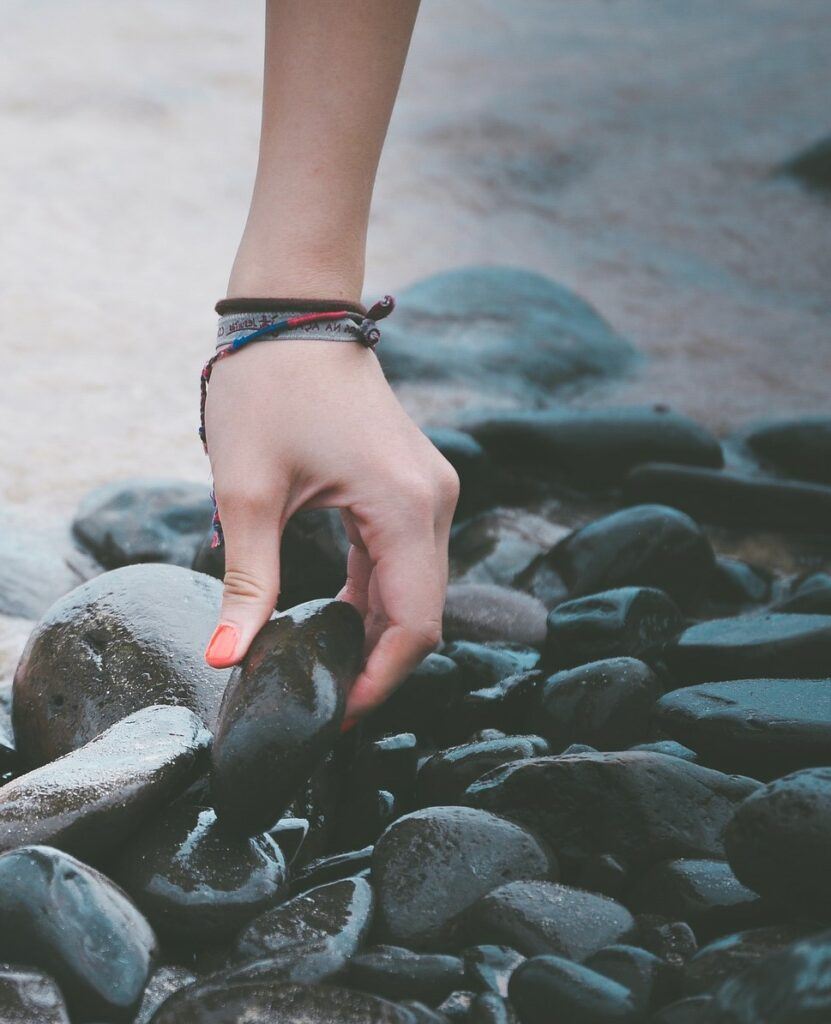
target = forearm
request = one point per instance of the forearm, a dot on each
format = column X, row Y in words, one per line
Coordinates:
column 332, row 71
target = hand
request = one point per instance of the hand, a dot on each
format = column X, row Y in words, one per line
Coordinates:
column 313, row 424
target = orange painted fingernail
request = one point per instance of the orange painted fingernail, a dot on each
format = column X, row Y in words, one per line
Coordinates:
column 221, row 646
column 347, row 724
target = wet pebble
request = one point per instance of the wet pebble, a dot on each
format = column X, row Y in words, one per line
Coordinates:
column 809, row 595
column 797, row 447
column 28, row 996
column 444, row 776
column 424, row 703
column 547, row 988
column 489, row 967
column 163, row 983
column 398, row 973
column 497, row 546
column 490, row 1008
column 650, row 980
column 694, row 1010
column 672, row 941
column 332, row 868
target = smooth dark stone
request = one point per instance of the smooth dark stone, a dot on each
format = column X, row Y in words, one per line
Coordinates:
column 496, row 546
column 421, row 1014
column 639, row 807
column 789, row 987
column 732, row 499
column 731, row 954
column 317, row 801
column 650, row 980
column 398, row 973
column 36, row 569
column 269, row 1001
column 779, row 841
column 198, row 883
column 486, row 611
column 443, row 777
column 550, row 988
column 810, row 595
column 594, row 447
column 695, row 1010
column 486, row 664
column 72, row 922
column 388, row 763
column 603, row 873
column 758, row 727
column 734, row 585
column 8, row 751
column 605, row 704
column 423, row 703
column 138, row 520
column 645, row 546
column 672, row 941
column 431, row 865
column 704, row 893
column 753, row 647
column 491, row 1009
column 798, row 447
column 364, row 816
column 333, row 918
column 451, row 332
column 489, row 968
column 289, row 834
column 472, row 465
column 631, row 622
column 333, row 868
column 282, row 710
column 123, row 641
column 505, row 704
column 536, row 917
column 29, row 996
column 669, row 747
column 163, row 983
column 90, row 800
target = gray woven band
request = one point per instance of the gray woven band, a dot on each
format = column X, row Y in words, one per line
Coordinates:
column 232, row 326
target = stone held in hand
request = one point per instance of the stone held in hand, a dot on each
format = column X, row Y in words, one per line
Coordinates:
column 282, row 710
column 123, row 641
column 68, row 919
column 89, row 800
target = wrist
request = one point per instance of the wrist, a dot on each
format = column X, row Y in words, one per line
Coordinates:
column 297, row 271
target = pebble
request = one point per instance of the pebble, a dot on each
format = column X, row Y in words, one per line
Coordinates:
column 486, row 664
column 634, row 622
column 126, row 640
column 290, row 834
column 70, row 921
column 752, row 647
column 779, row 841
column 735, row 585
column 489, row 967
column 641, row 807
column 163, row 982
column 536, row 917
column 282, row 710
column 398, row 973
column 88, row 801
column 332, row 868
column 605, row 704
column 650, row 980
column 759, row 727
column 673, row 941
column 491, row 1009
column 36, row 569
column 444, row 776
column 551, row 988
column 695, row 1010
column 486, row 611
column 810, row 594
column 505, row 704
column 29, row 996
column 431, row 865
column 669, row 747
column 798, row 447
column 423, row 704
column 195, row 882
column 498, row 545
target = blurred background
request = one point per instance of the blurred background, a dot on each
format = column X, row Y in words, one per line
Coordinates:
column 628, row 149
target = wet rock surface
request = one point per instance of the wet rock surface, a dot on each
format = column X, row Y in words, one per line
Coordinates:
column 547, row 987
column 398, row 973
column 29, row 996
column 800, row 448
column 282, row 710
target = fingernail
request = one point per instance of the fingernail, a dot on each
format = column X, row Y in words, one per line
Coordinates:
column 222, row 644
column 347, row 724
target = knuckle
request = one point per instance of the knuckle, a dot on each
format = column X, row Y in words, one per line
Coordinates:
column 417, row 492
column 448, row 485
column 427, row 634
column 243, row 585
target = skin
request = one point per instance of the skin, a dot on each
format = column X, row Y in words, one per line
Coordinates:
column 306, row 424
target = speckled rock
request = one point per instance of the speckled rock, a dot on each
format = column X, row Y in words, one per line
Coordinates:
column 485, row 611
column 547, row 988
column 753, row 647
column 72, row 922
column 758, row 727
column 639, row 806
column 605, row 704
column 398, row 973
column 89, row 800
column 536, row 917
column 779, row 841
column 163, row 983
column 196, row 882
column 632, row 622
column 123, row 641
column 431, row 865
column 798, row 447
column 789, row 987
column 282, row 710
column 28, row 996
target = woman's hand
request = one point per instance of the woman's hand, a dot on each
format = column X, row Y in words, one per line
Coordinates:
column 312, row 424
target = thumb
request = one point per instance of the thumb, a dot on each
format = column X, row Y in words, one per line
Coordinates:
column 251, row 583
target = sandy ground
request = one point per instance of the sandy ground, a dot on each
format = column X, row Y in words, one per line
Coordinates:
column 623, row 147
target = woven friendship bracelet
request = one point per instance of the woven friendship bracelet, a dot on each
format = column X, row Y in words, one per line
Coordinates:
column 243, row 321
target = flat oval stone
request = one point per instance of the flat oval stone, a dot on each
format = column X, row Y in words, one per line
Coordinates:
column 779, row 841
column 551, row 988
column 28, row 996
column 69, row 920
column 195, row 881
column 287, row 1003
column 333, row 918
column 636, row 805
column 123, row 641
column 759, row 727
column 432, row 864
column 605, row 704
column 282, row 710
column 536, row 917
column 799, row 447
column 753, row 647
column 89, row 800
column 631, row 622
